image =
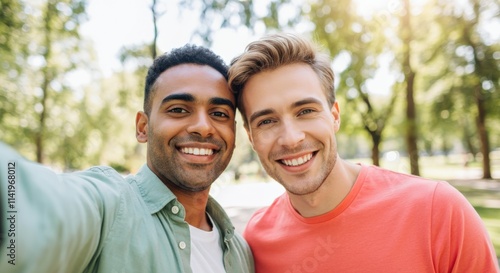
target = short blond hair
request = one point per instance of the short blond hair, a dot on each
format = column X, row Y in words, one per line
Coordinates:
column 276, row 50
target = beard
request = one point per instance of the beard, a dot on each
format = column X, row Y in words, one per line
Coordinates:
column 172, row 170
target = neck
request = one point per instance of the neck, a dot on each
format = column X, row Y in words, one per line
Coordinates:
column 330, row 194
column 195, row 204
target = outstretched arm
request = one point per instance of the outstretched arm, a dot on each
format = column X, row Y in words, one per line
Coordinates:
column 52, row 222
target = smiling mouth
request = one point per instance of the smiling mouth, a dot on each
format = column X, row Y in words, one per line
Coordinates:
column 297, row 161
column 197, row 151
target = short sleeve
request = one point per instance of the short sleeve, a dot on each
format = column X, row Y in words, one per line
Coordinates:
column 459, row 238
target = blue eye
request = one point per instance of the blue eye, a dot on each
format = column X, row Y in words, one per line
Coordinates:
column 306, row 111
column 265, row 122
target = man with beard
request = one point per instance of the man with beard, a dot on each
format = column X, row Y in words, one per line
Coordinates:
column 336, row 216
column 161, row 219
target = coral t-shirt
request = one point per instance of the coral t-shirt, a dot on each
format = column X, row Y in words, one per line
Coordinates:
column 389, row 222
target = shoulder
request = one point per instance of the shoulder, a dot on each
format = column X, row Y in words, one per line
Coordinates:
column 459, row 234
column 376, row 177
column 100, row 181
column 266, row 218
column 106, row 171
column 448, row 200
column 105, row 174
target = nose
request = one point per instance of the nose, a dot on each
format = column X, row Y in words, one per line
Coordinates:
column 291, row 135
column 201, row 125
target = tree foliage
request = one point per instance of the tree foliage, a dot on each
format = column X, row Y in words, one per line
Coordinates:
column 440, row 57
column 359, row 43
column 447, row 50
column 253, row 15
column 465, row 73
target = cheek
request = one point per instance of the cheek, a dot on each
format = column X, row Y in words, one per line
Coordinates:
column 326, row 132
column 325, row 125
column 227, row 132
column 263, row 140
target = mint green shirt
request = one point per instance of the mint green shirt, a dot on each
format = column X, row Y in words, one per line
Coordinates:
column 98, row 221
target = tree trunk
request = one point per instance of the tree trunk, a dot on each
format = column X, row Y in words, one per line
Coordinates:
column 47, row 78
column 483, row 133
column 40, row 134
column 155, row 29
column 480, row 71
column 467, row 137
column 411, row 124
column 376, row 138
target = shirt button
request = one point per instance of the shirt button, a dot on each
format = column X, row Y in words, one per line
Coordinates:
column 182, row 245
column 175, row 209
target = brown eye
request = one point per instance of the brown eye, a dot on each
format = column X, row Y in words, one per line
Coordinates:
column 220, row 114
column 177, row 110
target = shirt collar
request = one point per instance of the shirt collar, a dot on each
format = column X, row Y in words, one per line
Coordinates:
column 154, row 193
column 156, row 196
column 221, row 218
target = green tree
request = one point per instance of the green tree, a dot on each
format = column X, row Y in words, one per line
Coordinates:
column 250, row 14
column 59, row 35
column 467, row 72
column 406, row 29
column 37, row 78
column 156, row 14
column 11, row 29
column 485, row 74
column 13, row 52
column 360, row 42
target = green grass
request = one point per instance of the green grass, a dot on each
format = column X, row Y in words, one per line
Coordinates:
column 491, row 219
column 440, row 167
column 486, row 201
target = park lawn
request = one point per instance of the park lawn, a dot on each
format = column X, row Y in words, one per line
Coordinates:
column 481, row 199
column 491, row 220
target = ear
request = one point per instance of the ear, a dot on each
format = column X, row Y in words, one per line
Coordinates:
column 141, row 127
column 336, row 115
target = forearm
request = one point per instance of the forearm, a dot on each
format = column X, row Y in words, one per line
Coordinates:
column 51, row 222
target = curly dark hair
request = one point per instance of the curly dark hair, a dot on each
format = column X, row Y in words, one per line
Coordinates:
column 188, row 54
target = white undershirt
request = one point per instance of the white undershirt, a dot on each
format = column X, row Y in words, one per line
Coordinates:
column 206, row 252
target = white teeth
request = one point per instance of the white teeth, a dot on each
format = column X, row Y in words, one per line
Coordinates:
column 197, row 151
column 297, row 161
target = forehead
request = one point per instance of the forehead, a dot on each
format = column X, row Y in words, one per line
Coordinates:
column 201, row 81
column 282, row 87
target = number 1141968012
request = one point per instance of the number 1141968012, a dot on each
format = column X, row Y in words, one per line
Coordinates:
column 11, row 212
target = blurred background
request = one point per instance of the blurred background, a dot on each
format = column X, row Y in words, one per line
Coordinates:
column 417, row 81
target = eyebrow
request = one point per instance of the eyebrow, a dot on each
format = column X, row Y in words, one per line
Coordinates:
column 299, row 103
column 183, row 96
column 222, row 101
column 305, row 101
column 190, row 98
